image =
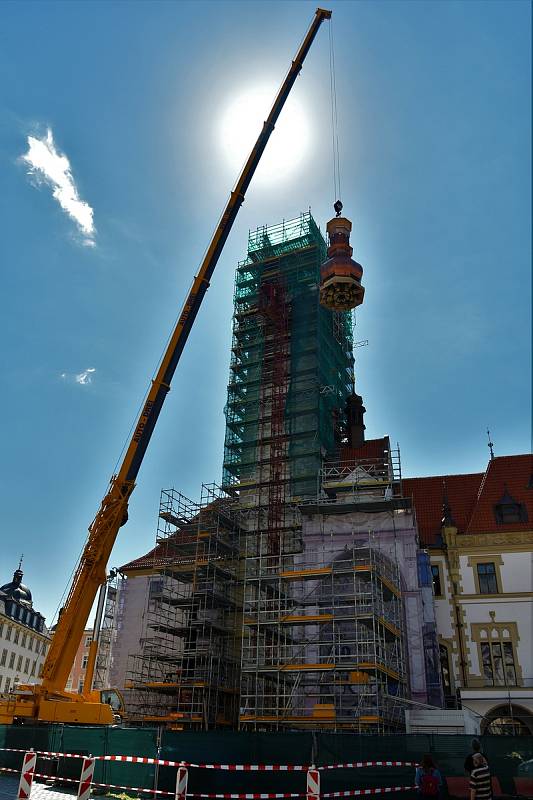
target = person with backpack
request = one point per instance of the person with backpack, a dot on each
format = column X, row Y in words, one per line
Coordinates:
column 469, row 760
column 428, row 779
column 480, row 779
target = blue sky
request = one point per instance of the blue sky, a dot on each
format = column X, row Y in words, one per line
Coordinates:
column 435, row 136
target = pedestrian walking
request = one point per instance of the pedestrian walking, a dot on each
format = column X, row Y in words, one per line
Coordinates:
column 480, row 781
column 428, row 779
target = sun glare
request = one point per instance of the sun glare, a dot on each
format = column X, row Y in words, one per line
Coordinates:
column 241, row 123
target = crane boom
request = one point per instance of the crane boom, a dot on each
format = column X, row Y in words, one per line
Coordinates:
column 91, row 570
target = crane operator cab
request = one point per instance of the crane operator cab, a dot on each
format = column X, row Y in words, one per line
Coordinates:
column 113, row 698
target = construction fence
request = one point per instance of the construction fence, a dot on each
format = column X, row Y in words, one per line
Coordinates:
column 508, row 757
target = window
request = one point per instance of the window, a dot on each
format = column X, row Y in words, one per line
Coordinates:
column 6, row 687
column 498, row 663
column 88, row 641
column 24, row 637
column 80, row 687
column 26, row 666
column 486, row 574
column 11, row 660
column 33, row 668
column 1, row 629
column 435, row 576
column 507, row 510
column 8, row 633
column 68, row 687
column 30, row 643
column 1, row 676
column 4, row 656
column 16, row 636
column 19, row 663
column 508, row 513
column 84, row 661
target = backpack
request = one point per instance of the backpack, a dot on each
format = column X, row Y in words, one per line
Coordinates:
column 429, row 784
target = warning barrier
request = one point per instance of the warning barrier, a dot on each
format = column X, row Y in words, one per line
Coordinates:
column 86, row 780
column 181, row 783
column 313, row 784
column 26, row 775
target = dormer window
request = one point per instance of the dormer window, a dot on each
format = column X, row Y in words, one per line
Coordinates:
column 507, row 510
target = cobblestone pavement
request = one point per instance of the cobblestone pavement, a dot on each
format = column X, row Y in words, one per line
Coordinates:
column 39, row 791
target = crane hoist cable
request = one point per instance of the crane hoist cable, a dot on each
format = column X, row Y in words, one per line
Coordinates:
column 334, row 118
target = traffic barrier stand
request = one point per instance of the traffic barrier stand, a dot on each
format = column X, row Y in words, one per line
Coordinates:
column 26, row 775
column 313, row 784
column 86, row 779
column 181, row 783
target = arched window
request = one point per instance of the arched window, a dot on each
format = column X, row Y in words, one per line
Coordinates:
column 509, row 720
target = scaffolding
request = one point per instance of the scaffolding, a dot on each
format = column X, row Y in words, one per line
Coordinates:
column 324, row 648
column 187, row 672
column 107, row 634
column 250, row 624
column 295, row 407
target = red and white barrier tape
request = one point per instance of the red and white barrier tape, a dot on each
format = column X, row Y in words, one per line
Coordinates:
column 228, row 767
column 359, row 764
column 249, row 795
column 60, row 778
column 42, row 752
column 376, row 790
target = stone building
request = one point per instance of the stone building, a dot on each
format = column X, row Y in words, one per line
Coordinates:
column 24, row 639
column 478, row 529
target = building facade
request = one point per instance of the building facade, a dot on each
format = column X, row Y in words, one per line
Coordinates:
column 24, row 639
column 478, row 529
column 76, row 678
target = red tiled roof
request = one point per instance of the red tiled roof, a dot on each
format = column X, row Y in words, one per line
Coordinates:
column 142, row 562
column 504, row 473
column 428, row 495
column 472, row 497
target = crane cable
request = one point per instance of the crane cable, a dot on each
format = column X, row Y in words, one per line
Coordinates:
column 334, row 118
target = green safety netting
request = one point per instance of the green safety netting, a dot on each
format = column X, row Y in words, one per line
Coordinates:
column 508, row 756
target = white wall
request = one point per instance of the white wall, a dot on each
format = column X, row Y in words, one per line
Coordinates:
column 132, row 599
column 22, row 653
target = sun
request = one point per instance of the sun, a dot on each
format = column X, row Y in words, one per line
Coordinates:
column 242, row 121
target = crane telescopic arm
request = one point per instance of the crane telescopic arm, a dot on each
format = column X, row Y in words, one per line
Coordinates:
column 91, row 570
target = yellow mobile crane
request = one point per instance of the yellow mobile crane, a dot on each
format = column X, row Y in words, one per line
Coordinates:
column 49, row 701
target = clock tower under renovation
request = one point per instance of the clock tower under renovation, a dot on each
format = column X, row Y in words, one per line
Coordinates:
column 277, row 600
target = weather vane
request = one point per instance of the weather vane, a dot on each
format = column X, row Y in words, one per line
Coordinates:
column 490, row 445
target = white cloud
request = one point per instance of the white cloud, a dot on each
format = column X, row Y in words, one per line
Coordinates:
column 53, row 168
column 86, row 376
